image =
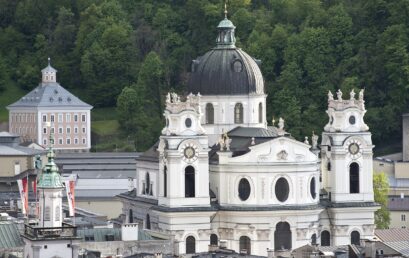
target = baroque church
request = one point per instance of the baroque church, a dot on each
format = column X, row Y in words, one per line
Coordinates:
column 219, row 176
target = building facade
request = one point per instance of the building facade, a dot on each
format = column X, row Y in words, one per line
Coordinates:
column 50, row 108
column 220, row 176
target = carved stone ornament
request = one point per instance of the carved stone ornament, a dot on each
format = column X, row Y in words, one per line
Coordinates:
column 162, row 145
column 282, row 155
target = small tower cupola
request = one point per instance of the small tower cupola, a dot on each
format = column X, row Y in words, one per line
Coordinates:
column 49, row 74
column 225, row 37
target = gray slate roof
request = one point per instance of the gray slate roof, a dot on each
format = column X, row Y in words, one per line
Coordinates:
column 9, row 236
column 398, row 204
column 214, row 74
column 18, row 151
column 50, row 94
column 396, row 238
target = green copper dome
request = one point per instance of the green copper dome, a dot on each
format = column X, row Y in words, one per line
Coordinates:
column 226, row 23
column 50, row 177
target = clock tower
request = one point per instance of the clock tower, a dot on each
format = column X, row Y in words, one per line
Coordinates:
column 183, row 155
column 346, row 160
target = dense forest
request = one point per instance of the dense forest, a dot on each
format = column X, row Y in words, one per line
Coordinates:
column 129, row 53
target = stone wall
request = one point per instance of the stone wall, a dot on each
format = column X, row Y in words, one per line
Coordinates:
column 129, row 247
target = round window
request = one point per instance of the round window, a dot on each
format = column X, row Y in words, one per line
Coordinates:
column 352, row 120
column 237, row 66
column 244, row 189
column 188, row 122
column 282, row 189
column 312, row 188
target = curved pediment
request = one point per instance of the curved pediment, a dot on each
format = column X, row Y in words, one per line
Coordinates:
column 277, row 150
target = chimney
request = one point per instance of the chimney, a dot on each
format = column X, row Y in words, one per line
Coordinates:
column 129, row 231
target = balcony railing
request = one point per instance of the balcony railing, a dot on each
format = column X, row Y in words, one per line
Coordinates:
column 66, row 231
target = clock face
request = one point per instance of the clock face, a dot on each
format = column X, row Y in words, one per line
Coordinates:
column 189, row 152
column 353, row 148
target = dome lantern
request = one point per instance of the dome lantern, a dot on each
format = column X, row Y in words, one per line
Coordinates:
column 225, row 37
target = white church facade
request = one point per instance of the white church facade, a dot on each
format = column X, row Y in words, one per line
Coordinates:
column 219, row 174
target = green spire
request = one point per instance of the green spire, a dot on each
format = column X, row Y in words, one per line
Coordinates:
column 50, row 177
column 226, row 38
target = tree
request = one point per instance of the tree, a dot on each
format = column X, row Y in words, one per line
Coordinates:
column 381, row 188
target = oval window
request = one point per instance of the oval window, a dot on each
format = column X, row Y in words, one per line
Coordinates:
column 352, row 120
column 312, row 188
column 188, row 122
column 237, row 66
column 244, row 189
column 282, row 189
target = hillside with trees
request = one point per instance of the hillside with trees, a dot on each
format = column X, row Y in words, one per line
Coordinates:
column 127, row 54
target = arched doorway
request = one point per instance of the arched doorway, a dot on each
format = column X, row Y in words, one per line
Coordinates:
column 282, row 236
column 355, row 238
column 190, row 245
column 189, row 181
column 325, row 238
column 354, row 178
column 245, row 244
column 214, row 240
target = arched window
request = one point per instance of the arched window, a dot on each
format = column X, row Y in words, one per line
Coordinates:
column 312, row 188
column 57, row 213
column 325, row 238
column 245, row 244
column 260, row 112
column 244, row 189
column 329, row 166
column 282, row 189
column 148, row 222
column 214, row 239
column 130, row 219
column 314, row 239
column 189, row 181
column 209, row 113
column 282, row 236
column 165, row 181
column 238, row 113
column 147, row 183
column 354, row 178
column 190, row 245
column 47, row 215
column 355, row 238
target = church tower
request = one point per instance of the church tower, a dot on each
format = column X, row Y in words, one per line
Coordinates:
column 184, row 176
column 50, row 237
column 346, row 159
column 183, row 155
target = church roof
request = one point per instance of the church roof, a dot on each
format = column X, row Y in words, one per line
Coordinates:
column 226, row 69
column 50, row 94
